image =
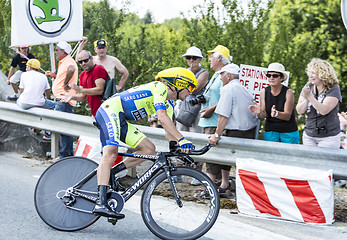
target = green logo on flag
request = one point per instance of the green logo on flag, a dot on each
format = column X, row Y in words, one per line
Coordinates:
column 49, row 17
column 50, row 9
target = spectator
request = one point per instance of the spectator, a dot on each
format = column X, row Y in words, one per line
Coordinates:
column 194, row 57
column 219, row 57
column 320, row 99
column 343, row 124
column 33, row 85
column 343, row 115
column 92, row 82
column 67, row 74
column 153, row 120
column 110, row 63
column 277, row 106
column 234, row 119
column 19, row 60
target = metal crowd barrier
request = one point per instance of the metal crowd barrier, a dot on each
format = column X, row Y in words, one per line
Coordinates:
column 226, row 152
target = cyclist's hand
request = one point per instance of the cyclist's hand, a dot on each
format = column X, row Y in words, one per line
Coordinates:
column 186, row 145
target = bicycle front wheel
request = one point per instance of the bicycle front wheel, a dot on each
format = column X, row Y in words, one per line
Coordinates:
column 52, row 184
column 166, row 219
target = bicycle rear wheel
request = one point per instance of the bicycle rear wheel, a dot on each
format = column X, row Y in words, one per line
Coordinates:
column 55, row 180
column 166, row 219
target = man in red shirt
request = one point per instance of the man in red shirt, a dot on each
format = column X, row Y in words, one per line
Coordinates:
column 92, row 82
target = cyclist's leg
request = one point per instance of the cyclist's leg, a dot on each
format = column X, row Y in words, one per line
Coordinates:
column 109, row 155
column 109, row 139
column 145, row 147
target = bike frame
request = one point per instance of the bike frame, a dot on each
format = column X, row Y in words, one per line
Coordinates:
column 160, row 161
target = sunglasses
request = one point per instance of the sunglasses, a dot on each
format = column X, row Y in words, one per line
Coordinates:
column 83, row 61
column 273, row 75
column 192, row 57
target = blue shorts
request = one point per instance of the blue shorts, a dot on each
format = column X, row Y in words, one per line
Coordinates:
column 290, row 137
column 114, row 128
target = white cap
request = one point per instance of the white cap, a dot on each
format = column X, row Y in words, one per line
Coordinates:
column 65, row 46
column 277, row 67
column 193, row 51
column 230, row 68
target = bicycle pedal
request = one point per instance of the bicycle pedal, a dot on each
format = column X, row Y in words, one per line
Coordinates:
column 112, row 220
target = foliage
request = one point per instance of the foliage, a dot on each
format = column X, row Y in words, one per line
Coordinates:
column 244, row 33
column 100, row 20
column 286, row 31
column 301, row 30
column 5, row 33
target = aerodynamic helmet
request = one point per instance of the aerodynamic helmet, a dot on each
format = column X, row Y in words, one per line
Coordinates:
column 178, row 77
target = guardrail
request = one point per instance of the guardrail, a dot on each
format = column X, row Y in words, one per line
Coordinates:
column 226, row 152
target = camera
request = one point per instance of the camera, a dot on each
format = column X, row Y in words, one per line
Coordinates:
column 321, row 130
column 199, row 99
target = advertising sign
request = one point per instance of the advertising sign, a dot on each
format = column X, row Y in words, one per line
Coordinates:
column 254, row 79
column 36, row 22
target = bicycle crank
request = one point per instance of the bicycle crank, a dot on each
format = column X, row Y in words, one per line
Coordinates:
column 116, row 202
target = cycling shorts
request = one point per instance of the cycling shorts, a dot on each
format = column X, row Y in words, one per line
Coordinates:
column 114, row 127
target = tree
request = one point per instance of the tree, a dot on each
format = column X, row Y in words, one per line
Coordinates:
column 301, row 30
column 243, row 32
column 148, row 18
column 5, row 34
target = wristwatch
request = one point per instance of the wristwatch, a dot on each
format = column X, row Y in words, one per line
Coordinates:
column 216, row 135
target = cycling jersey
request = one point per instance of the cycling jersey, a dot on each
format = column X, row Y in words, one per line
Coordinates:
column 133, row 104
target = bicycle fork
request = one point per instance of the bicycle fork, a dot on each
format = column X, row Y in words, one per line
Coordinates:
column 167, row 170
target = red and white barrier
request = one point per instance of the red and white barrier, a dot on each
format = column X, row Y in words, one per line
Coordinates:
column 285, row 192
column 91, row 148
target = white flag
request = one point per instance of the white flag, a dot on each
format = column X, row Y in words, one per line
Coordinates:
column 36, row 22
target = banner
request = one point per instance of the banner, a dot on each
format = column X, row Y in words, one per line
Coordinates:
column 254, row 79
column 91, row 148
column 36, row 22
column 284, row 192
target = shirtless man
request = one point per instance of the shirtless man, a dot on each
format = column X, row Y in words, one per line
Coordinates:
column 110, row 63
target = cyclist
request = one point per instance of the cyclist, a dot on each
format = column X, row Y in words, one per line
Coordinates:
column 135, row 104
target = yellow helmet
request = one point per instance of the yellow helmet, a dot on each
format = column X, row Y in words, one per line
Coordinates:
column 34, row 63
column 178, row 77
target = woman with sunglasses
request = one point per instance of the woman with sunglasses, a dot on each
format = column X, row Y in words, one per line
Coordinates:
column 320, row 99
column 277, row 106
column 193, row 57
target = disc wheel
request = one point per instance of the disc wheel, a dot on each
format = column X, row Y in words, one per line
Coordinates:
column 52, row 185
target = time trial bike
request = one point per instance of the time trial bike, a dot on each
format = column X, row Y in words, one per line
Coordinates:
column 65, row 195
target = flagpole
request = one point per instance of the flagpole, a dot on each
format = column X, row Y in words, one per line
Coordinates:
column 51, row 54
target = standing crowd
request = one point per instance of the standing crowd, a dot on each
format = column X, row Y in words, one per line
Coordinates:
column 219, row 106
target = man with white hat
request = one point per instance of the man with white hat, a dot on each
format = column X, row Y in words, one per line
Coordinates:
column 234, row 119
column 67, row 74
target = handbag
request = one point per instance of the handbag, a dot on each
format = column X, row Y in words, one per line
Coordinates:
column 187, row 113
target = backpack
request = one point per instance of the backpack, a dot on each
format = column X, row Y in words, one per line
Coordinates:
column 110, row 88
